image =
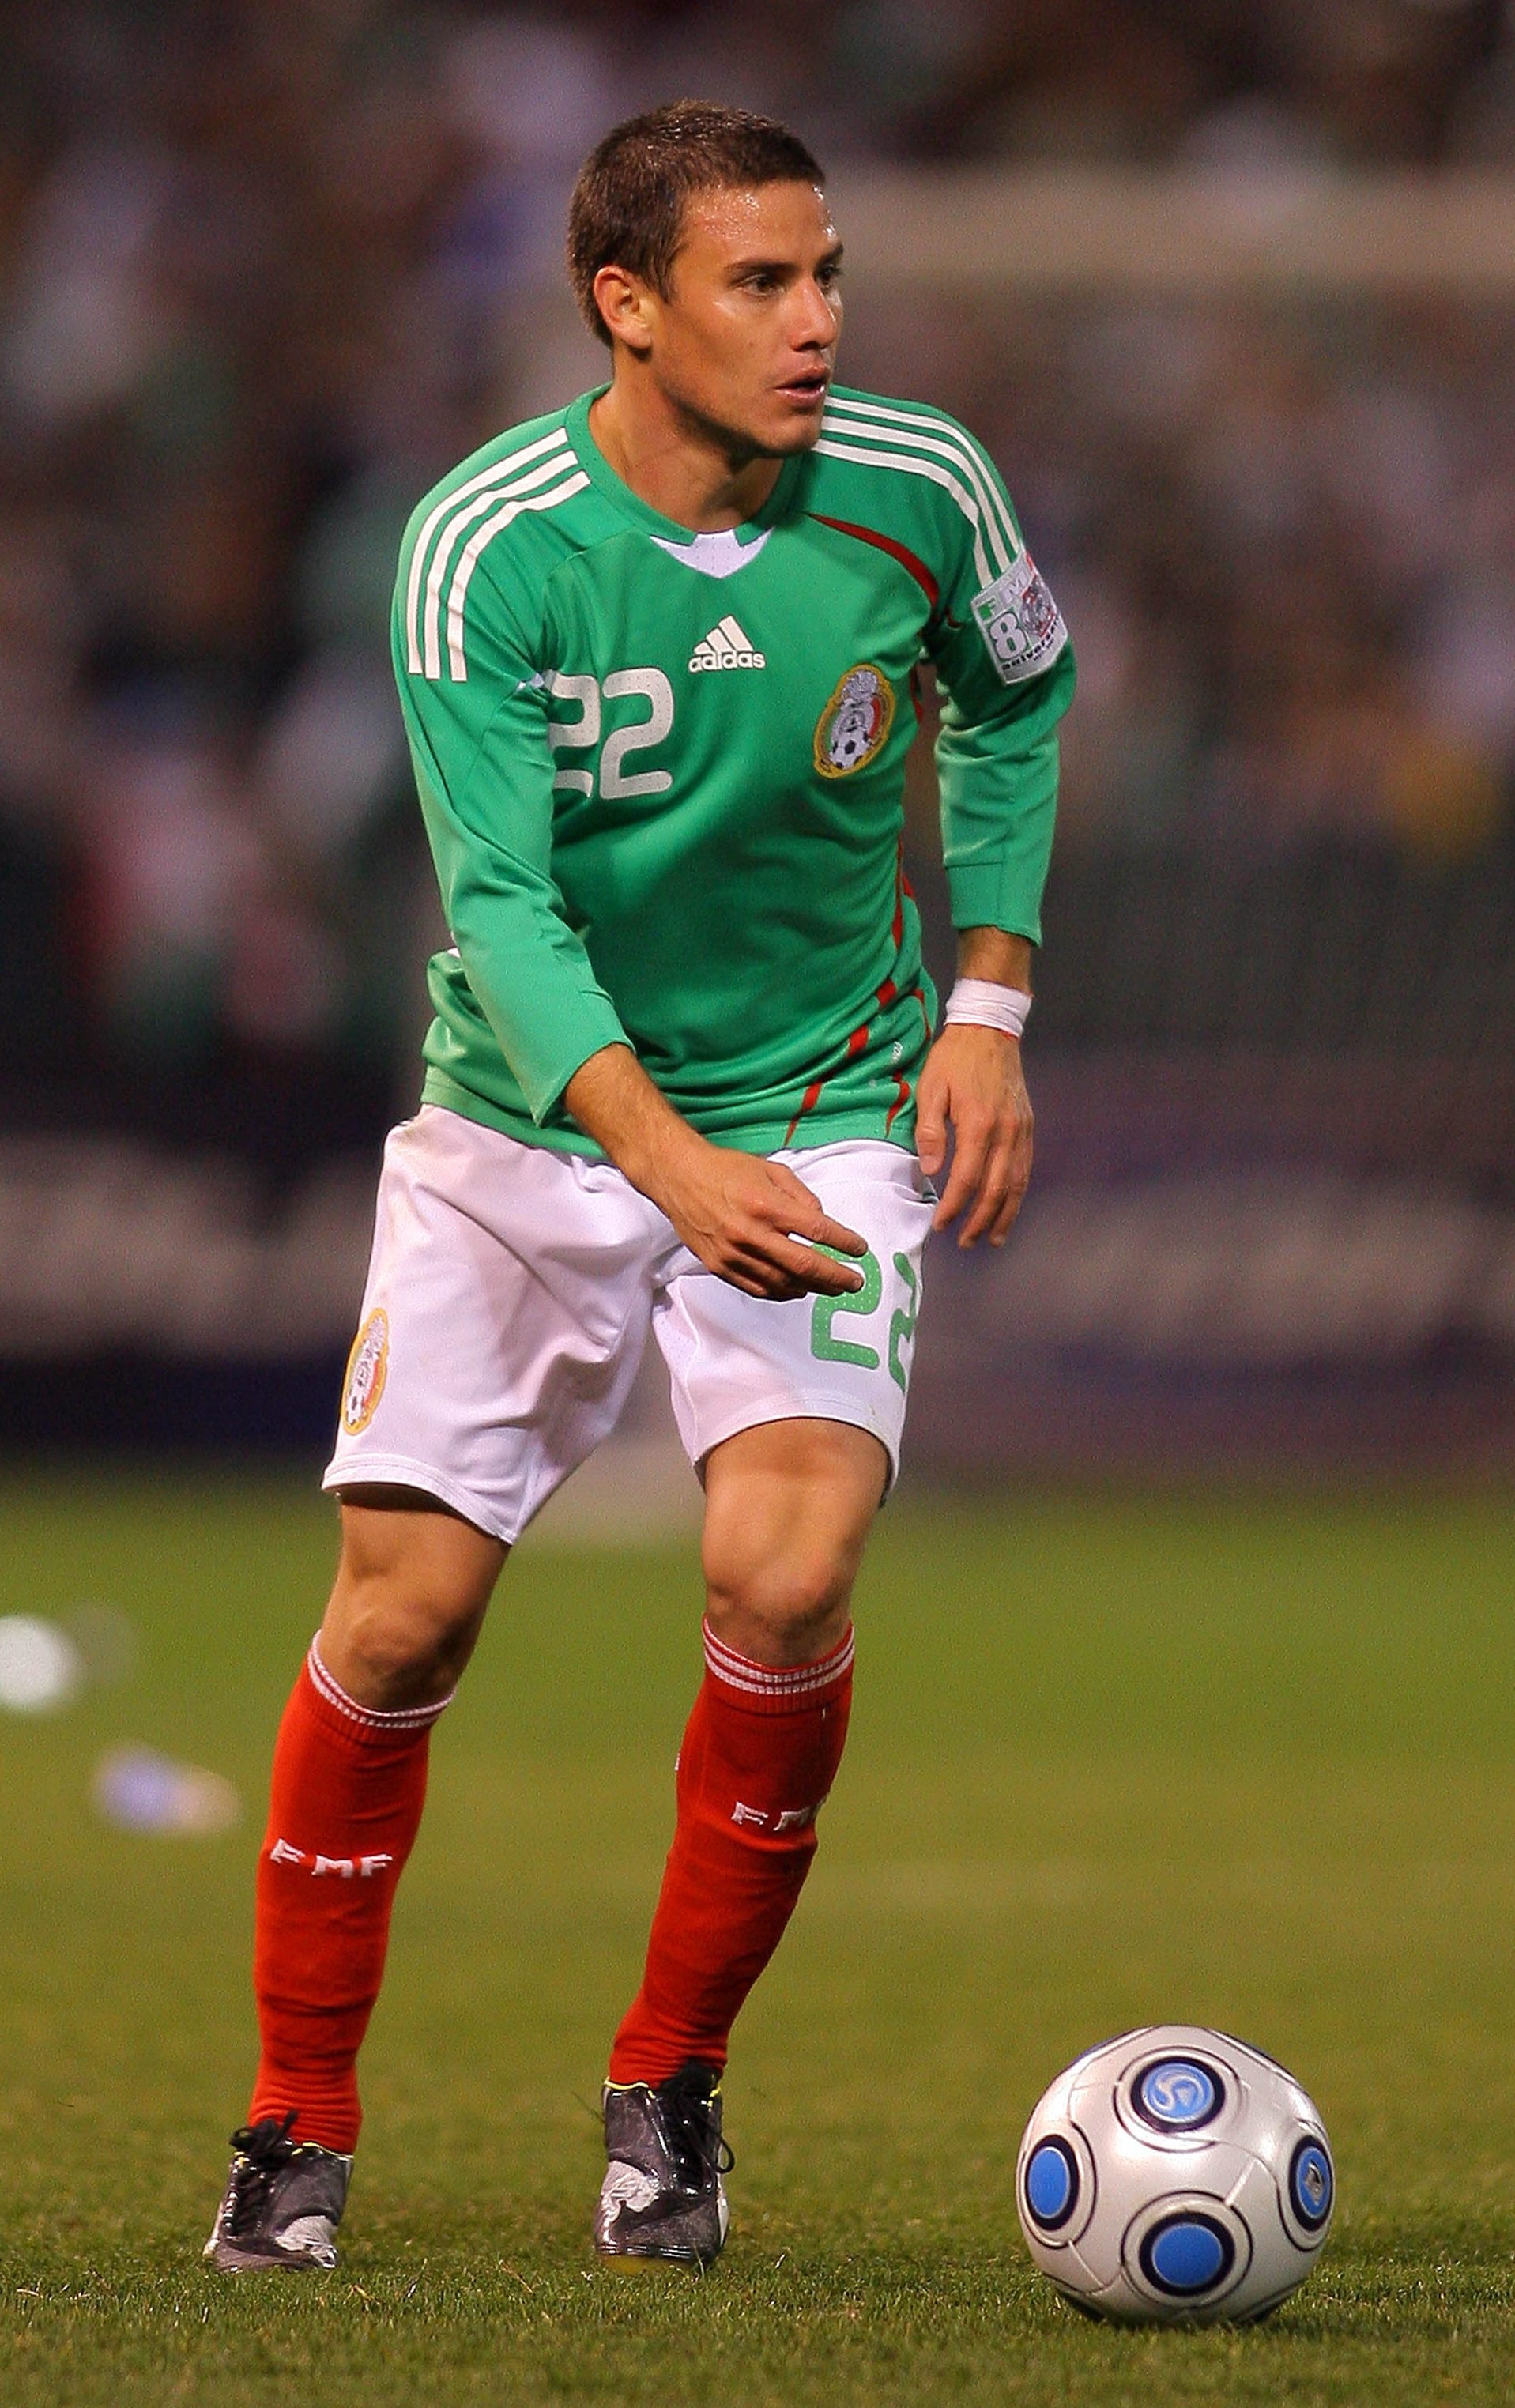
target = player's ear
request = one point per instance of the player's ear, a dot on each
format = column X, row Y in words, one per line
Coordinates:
column 622, row 300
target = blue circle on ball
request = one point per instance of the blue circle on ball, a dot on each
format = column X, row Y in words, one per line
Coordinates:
column 1311, row 2183
column 1176, row 2094
column 1187, row 2256
column 1052, row 2183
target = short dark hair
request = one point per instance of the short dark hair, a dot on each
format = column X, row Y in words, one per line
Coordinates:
column 628, row 204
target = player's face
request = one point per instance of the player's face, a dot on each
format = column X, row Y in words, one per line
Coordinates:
column 746, row 339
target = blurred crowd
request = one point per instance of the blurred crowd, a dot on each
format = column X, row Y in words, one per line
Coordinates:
column 1286, row 545
column 267, row 268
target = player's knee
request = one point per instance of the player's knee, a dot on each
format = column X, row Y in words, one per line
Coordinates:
column 404, row 1620
column 787, row 1606
column 403, row 1642
column 408, row 1642
column 788, row 1508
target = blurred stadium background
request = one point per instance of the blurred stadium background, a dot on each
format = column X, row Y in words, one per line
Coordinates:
column 1227, row 290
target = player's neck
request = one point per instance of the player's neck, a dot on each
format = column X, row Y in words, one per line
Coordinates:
column 669, row 460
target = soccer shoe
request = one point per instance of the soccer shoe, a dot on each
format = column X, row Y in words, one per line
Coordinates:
column 663, row 2197
column 284, row 2200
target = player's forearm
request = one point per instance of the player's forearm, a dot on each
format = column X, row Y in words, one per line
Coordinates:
column 999, row 807
column 994, row 954
column 616, row 1103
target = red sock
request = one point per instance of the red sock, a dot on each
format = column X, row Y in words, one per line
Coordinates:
column 759, row 1753
column 343, row 1812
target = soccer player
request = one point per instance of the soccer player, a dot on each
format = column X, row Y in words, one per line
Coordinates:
column 656, row 654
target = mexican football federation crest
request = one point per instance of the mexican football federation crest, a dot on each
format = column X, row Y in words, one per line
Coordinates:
column 855, row 723
column 366, row 1369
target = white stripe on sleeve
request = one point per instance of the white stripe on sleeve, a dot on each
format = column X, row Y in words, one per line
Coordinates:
column 920, row 467
column 948, row 443
column 469, row 557
column 494, row 476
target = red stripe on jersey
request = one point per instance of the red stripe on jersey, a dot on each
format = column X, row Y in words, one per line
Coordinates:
column 899, row 552
column 854, row 1047
column 885, row 995
column 899, row 1103
column 807, row 1104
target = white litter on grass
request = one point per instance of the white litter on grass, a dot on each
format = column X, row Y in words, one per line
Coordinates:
column 40, row 1666
column 139, row 1790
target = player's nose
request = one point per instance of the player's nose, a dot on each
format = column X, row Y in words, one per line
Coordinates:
column 817, row 313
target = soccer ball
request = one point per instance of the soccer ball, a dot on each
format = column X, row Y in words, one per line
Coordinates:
column 1175, row 2175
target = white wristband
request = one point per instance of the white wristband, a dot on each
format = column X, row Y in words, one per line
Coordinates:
column 985, row 1004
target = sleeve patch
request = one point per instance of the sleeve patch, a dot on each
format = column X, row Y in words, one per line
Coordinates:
column 1020, row 622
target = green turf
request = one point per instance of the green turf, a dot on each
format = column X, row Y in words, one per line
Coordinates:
column 1112, row 1762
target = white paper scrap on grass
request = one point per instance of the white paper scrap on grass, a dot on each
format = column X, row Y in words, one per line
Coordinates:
column 137, row 1789
column 40, row 1666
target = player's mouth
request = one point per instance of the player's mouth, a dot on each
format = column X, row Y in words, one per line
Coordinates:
column 807, row 391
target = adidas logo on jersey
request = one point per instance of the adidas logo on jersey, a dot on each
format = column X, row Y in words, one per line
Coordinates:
column 726, row 648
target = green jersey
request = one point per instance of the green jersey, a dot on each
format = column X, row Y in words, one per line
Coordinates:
column 663, row 773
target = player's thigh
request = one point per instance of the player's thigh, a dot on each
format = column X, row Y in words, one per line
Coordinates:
column 787, row 1508
column 504, row 1314
column 735, row 1361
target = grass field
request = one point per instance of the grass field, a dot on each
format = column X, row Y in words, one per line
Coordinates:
column 1245, row 1764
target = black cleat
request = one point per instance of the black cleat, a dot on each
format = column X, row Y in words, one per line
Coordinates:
column 663, row 2197
column 284, row 2200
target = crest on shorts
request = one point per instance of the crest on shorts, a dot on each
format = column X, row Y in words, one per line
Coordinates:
column 855, row 723
column 367, row 1367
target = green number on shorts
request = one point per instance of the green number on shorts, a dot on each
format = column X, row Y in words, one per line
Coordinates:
column 866, row 1298
column 902, row 1328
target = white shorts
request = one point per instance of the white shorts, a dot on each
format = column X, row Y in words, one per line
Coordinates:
column 511, row 1291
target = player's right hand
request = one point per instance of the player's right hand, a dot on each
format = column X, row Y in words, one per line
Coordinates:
column 748, row 1220
column 756, row 1226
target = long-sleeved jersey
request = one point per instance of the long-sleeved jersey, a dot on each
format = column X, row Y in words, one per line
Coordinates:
column 663, row 773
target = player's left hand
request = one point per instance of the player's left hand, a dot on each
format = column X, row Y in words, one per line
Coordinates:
column 973, row 1083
